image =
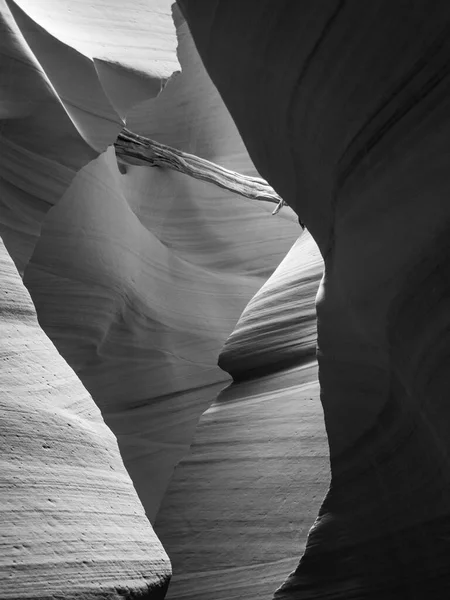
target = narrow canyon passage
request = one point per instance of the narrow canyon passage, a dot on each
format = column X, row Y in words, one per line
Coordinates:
column 309, row 370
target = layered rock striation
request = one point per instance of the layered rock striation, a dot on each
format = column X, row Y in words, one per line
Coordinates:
column 137, row 276
column 71, row 524
column 239, row 507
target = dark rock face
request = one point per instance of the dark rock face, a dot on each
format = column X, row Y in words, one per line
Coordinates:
column 345, row 110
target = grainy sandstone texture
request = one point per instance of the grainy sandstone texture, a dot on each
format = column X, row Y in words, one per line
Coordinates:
column 71, row 524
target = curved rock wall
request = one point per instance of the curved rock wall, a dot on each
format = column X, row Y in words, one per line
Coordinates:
column 239, row 507
column 71, row 524
column 138, row 276
column 345, row 109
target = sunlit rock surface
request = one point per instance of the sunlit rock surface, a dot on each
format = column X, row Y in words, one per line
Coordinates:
column 56, row 109
column 71, row 525
column 138, row 276
column 345, row 109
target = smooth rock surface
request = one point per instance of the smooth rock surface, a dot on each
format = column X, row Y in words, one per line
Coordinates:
column 71, row 525
column 239, row 508
column 345, row 109
column 58, row 109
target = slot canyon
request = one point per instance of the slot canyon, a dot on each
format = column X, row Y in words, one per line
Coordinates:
column 204, row 398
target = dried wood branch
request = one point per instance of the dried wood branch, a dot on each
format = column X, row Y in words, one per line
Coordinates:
column 135, row 149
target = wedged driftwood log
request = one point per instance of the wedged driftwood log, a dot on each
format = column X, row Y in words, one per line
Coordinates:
column 139, row 150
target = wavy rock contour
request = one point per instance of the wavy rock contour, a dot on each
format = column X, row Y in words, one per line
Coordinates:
column 345, row 110
column 71, row 524
column 137, row 277
column 239, row 507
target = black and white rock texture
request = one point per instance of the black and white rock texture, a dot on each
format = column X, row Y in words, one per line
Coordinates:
column 345, row 109
column 144, row 279
column 71, row 524
column 137, row 277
